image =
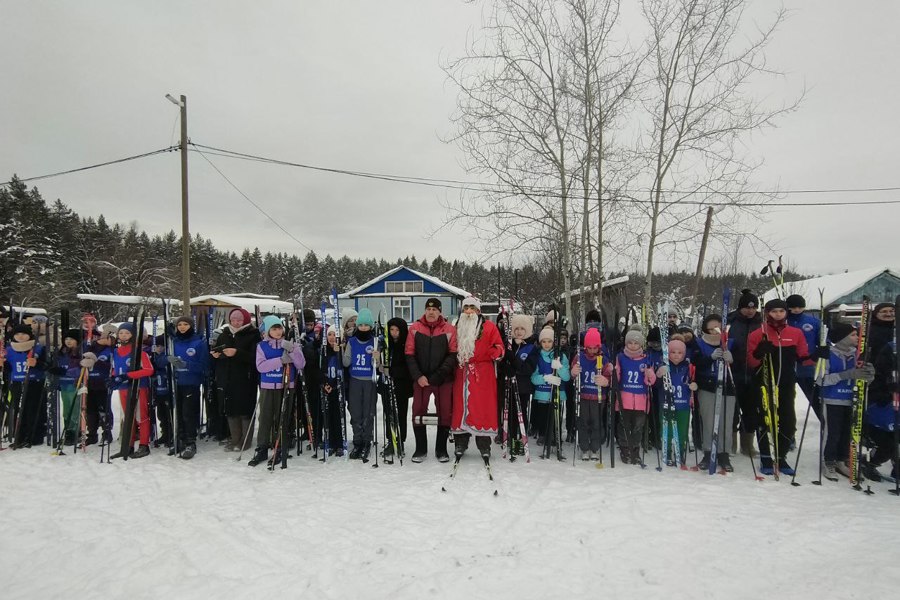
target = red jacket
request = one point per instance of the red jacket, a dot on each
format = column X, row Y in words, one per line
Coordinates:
column 790, row 344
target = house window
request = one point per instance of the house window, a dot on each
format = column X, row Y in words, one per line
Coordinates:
column 403, row 308
column 394, row 287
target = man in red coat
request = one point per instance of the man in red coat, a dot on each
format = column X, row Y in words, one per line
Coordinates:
column 475, row 385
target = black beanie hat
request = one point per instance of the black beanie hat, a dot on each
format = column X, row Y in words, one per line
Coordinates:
column 707, row 319
column 748, row 299
column 309, row 315
column 592, row 316
column 433, row 303
column 22, row 328
column 795, row 301
column 839, row 331
column 776, row 303
column 654, row 335
column 75, row 334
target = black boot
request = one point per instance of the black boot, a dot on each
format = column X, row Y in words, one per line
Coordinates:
column 364, row 453
column 483, row 443
column 262, row 453
column 440, row 444
column 421, row 443
column 461, row 443
column 356, row 453
column 704, row 462
column 189, row 451
column 724, row 462
column 141, row 452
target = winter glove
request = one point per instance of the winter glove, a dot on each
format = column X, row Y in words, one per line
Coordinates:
column 693, row 386
column 556, row 364
column 285, row 358
column 661, row 372
column 177, row 362
column 82, row 391
column 716, row 354
column 865, row 373
column 728, row 356
column 88, row 360
column 765, row 347
column 287, row 346
column 822, row 353
column 552, row 380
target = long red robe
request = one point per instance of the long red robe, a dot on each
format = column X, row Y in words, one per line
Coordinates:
column 475, row 385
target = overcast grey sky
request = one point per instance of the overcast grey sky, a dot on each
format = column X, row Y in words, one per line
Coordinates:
column 357, row 84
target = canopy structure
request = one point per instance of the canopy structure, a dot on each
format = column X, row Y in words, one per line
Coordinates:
column 117, row 299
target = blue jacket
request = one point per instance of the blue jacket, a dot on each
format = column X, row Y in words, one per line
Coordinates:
column 195, row 353
column 542, row 389
column 811, row 327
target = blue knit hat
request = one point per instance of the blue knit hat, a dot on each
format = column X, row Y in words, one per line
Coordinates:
column 269, row 322
column 127, row 326
column 365, row 318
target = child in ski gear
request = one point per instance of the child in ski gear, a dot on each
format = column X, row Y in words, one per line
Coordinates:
column 274, row 354
column 70, row 372
column 635, row 373
column 741, row 323
column 774, row 350
column 311, row 344
column 475, row 384
column 589, row 369
column 123, row 374
column 161, row 394
column 96, row 349
column 706, row 361
column 236, row 376
column 26, row 363
column 401, row 381
column 810, row 326
column 331, row 385
column 361, row 359
column 431, row 356
column 681, row 373
column 519, row 363
column 547, row 380
column 881, row 329
column 881, row 416
column 189, row 363
column 837, row 388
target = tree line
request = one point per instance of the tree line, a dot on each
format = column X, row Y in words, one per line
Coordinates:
column 50, row 253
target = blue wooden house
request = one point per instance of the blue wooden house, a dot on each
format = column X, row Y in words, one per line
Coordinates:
column 402, row 292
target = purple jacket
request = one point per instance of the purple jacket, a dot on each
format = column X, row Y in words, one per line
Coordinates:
column 266, row 365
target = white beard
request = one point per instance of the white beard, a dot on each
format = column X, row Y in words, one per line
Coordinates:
column 467, row 329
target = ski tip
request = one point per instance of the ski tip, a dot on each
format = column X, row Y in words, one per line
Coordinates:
column 795, row 484
column 599, row 465
column 497, row 492
column 760, row 478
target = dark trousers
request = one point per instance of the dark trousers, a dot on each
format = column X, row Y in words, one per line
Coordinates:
column 748, row 398
column 188, row 413
column 787, row 423
column 837, row 432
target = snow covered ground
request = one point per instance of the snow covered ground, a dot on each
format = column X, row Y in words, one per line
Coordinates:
column 215, row 528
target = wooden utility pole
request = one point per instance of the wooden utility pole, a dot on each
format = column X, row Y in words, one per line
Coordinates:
column 706, row 228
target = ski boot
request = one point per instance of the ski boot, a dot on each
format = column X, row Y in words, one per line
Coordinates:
column 364, row 452
column 189, row 451
column 141, row 452
column 784, row 468
column 262, row 453
column 440, row 444
column 121, row 455
column 724, row 462
column 356, row 453
column 703, row 465
column 421, row 443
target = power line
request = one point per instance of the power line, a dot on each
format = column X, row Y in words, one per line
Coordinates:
column 255, row 205
column 98, row 165
column 550, row 193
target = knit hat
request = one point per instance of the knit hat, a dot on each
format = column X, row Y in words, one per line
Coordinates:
column 309, row 315
column 708, row 319
column 348, row 313
column 22, row 328
column 472, row 301
column 839, row 331
column 552, row 316
column 185, row 319
column 127, row 326
column 75, row 334
column 269, row 322
column 592, row 338
column 546, row 334
column 654, row 335
column 635, row 336
column 748, row 299
column 776, row 303
column 592, row 316
column 433, row 303
column 365, row 318
column 795, row 301
column 677, row 345
column 245, row 316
